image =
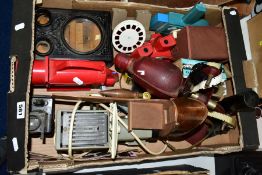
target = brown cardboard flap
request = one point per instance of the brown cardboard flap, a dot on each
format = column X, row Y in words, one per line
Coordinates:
column 250, row 74
column 255, row 38
column 107, row 6
column 144, row 16
column 216, row 2
column 213, row 14
column 119, row 15
column 63, row 4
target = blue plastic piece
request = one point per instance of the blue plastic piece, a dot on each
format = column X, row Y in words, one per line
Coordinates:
column 176, row 19
column 165, row 23
column 159, row 22
column 197, row 12
column 187, row 65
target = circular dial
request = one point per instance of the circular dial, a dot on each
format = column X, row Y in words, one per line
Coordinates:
column 128, row 35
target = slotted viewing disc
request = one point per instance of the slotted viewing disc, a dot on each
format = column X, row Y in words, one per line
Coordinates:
column 128, row 35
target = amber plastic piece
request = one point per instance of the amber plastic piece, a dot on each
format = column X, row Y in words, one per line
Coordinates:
column 171, row 119
column 124, row 93
column 189, row 114
column 206, row 99
column 160, row 78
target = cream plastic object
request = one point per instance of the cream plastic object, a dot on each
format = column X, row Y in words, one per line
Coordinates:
column 114, row 131
column 128, row 35
column 132, row 133
column 70, row 153
column 114, row 128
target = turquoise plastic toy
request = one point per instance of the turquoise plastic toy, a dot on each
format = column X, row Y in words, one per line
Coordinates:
column 165, row 23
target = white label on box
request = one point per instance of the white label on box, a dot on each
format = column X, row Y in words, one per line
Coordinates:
column 15, row 144
column 20, row 110
column 19, row 26
column 78, row 81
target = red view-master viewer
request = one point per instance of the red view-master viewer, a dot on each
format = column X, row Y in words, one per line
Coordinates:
column 158, row 47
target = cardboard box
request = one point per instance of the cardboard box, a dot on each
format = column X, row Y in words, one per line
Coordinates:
column 244, row 136
column 253, row 65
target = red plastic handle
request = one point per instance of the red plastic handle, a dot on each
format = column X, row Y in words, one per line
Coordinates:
column 72, row 64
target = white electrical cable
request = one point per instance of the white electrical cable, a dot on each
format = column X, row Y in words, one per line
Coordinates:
column 119, row 119
column 134, row 135
column 71, row 129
